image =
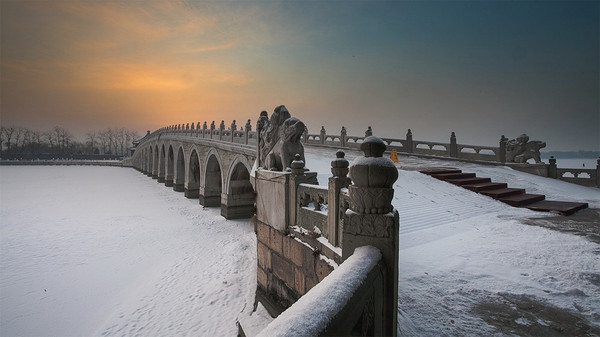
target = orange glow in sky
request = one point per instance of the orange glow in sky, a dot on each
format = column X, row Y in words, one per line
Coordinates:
column 481, row 69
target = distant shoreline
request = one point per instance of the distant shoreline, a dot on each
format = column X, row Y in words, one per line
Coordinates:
column 571, row 154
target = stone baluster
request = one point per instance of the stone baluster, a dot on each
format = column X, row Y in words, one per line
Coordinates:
column 204, row 127
column 372, row 220
column 502, row 149
column 212, row 129
column 323, row 133
column 233, row 129
column 339, row 180
column 221, row 129
column 247, row 130
column 305, row 135
column 408, row 146
column 453, row 146
column 343, row 137
column 197, row 129
column 552, row 171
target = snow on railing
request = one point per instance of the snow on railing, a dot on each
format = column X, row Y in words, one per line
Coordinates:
column 316, row 311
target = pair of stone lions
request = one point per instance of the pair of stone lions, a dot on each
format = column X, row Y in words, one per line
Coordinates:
column 282, row 154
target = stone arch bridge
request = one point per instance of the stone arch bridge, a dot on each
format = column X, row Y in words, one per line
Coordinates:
column 212, row 165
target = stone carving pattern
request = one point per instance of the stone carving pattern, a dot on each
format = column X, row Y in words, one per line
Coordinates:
column 520, row 150
column 279, row 139
column 372, row 225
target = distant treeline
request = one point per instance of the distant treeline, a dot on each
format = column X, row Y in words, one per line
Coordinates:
column 23, row 143
column 571, row 154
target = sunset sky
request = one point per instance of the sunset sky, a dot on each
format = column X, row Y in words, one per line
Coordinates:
column 481, row 69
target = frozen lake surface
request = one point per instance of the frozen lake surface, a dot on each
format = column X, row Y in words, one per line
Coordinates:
column 101, row 251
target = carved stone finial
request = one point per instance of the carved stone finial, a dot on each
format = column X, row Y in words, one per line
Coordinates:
column 297, row 165
column 369, row 132
column 339, row 166
column 373, row 176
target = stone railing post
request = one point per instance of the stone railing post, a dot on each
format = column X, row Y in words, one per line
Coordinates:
column 305, row 135
column 552, row 173
column 247, row 130
column 212, row 129
column 343, row 137
column 233, row 129
column 502, row 149
column 453, row 146
column 204, row 130
column 369, row 132
column 221, row 129
column 339, row 169
column 296, row 178
column 323, row 133
column 197, row 129
column 373, row 221
column 409, row 142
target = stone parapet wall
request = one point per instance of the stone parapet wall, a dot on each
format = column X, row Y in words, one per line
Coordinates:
column 287, row 267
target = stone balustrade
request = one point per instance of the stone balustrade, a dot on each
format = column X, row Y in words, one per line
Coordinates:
column 579, row 176
column 231, row 134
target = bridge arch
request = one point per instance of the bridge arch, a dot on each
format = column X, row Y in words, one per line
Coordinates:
column 170, row 166
column 212, row 187
column 192, row 184
column 179, row 174
column 238, row 199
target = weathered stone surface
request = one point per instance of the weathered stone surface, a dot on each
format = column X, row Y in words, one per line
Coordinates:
column 283, row 270
column 322, row 269
column 263, row 255
column 276, row 241
column 292, row 250
column 299, row 281
column 272, row 194
column 261, row 278
column 263, row 233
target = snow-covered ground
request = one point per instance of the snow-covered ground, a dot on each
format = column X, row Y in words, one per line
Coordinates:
column 108, row 251
column 103, row 251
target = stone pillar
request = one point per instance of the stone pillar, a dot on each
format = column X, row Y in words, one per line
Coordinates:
column 247, row 130
column 409, row 142
column 343, row 137
column 221, row 128
column 502, row 149
column 212, row 129
column 204, row 130
column 197, row 129
column 453, row 146
column 233, row 130
column 339, row 169
column 323, row 133
column 305, row 135
column 552, row 173
column 372, row 220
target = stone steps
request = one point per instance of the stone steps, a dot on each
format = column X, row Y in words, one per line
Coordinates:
column 516, row 197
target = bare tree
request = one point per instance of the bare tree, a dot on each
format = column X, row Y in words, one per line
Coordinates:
column 92, row 138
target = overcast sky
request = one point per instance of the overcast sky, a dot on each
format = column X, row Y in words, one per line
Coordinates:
column 481, row 69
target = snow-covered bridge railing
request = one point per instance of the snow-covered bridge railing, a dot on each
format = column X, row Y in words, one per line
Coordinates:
column 306, row 231
column 348, row 302
column 410, row 146
column 580, row 176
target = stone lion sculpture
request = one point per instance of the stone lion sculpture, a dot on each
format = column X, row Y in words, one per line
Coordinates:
column 282, row 154
column 520, row 150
